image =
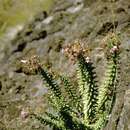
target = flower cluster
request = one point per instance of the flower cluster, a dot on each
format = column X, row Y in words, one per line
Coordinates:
column 31, row 64
column 75, row 50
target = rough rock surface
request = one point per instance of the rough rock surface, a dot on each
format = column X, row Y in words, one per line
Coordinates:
column 44, row 36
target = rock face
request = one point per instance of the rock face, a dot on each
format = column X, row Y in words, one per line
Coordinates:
column 69, row 20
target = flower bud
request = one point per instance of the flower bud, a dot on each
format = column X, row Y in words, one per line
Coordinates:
column 87, row 59
column 114, row 49
column 24, row 114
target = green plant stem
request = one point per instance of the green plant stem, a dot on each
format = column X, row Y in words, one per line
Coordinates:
column 88, row 89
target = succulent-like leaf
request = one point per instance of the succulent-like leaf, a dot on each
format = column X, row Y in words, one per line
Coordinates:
column 88, row 88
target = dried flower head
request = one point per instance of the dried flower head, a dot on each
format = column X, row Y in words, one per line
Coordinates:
column 74, row 50
column 31, row 64
column 111, row 44
column 111, row 40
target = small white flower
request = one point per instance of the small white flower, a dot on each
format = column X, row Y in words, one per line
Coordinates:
column 24, row 61
column 87, row 59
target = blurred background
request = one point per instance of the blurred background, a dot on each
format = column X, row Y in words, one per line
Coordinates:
column 14, row 12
